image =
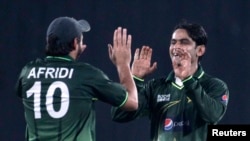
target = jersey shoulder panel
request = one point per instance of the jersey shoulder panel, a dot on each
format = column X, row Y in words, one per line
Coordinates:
column 213, row 81
column 90, row 69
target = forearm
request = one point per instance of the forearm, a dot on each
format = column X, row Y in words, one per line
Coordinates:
column 207, row 101
column 126, row 79
column 120, row 115
column 210, row 109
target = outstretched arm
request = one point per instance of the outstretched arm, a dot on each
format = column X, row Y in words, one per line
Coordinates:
column 120, row 55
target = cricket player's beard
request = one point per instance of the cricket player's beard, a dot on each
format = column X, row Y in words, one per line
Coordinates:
column 79, row 52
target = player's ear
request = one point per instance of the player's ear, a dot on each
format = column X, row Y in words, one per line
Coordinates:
column 75, row 43
column 200, row 50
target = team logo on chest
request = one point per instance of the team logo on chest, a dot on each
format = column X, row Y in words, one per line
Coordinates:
column 163, row 97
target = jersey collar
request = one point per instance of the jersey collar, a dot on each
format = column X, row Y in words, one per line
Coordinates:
column 62, row 58
column 198, row 74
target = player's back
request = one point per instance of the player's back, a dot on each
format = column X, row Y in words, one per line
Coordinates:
column 58, row 98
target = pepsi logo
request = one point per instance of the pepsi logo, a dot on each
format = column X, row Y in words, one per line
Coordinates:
column 168, row 124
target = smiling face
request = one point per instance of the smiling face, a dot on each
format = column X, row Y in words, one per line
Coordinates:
column 182, row 43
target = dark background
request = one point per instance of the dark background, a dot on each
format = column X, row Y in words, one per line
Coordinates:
column 22, row 38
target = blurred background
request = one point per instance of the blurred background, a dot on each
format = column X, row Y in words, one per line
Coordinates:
column 22, row 39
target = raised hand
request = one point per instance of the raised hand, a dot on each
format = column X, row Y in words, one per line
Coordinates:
column 141, row 65
column 181, row 62
column 120, row 55
column 120, row 52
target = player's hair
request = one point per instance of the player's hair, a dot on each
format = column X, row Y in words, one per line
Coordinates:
column 194, row 31
column 55, row 47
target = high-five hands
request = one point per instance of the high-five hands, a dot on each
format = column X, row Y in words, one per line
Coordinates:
column 141, row 65
column 120, row 52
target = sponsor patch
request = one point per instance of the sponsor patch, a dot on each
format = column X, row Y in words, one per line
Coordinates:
column 163, row 97
column 176, row 125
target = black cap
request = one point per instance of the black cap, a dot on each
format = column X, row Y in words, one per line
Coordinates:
column 67, row 28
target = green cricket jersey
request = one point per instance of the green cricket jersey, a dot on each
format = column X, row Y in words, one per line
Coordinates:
column 179, row 111
column 58, row 95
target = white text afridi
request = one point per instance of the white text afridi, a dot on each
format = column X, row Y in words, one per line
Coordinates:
column 50, row 72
